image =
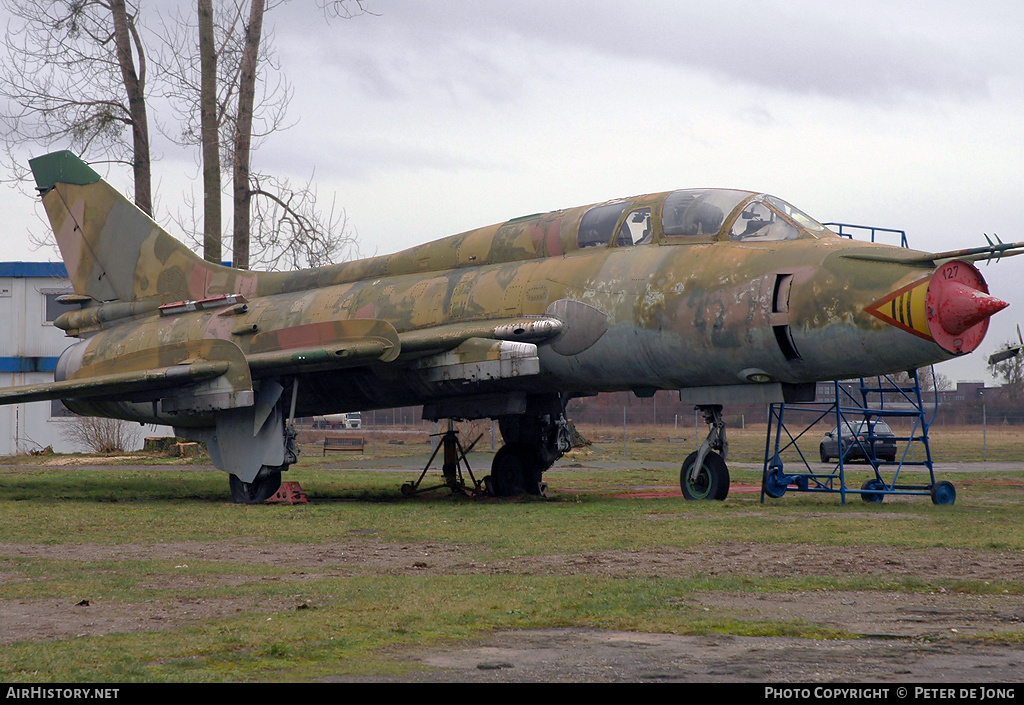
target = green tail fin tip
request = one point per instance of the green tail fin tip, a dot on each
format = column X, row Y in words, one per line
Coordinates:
column 61, row 167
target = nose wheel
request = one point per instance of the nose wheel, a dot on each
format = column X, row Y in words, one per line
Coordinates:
column 704, row 474
column 709, row 481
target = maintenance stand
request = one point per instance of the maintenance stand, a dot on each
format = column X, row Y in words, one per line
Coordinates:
column 858, row 419
column 859, row 430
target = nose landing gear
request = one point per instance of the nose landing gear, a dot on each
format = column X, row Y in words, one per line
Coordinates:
column 704, row 474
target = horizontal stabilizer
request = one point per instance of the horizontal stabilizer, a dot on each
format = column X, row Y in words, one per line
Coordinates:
column 203, row 374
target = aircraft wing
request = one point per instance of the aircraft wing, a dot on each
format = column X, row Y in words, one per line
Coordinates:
column 123, row 383
column 213, row 373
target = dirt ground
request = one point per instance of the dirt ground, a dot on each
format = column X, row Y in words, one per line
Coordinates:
column 921, row 637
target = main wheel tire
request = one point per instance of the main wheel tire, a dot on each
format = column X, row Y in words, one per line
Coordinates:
column 515, row 472
column 711, row 482
column 822, row 454
column 259, row 490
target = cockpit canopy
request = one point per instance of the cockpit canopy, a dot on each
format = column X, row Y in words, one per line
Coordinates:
column 741, row 216
column 702, row 212
column 760, row 222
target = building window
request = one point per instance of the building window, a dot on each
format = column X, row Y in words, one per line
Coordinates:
column 54, row 308
column 59, row 411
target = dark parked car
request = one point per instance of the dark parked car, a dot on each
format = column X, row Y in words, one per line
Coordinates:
column 882, row 441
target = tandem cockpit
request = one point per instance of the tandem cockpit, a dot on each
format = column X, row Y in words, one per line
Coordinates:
column 705, row 214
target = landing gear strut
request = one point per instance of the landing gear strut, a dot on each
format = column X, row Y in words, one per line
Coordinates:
column 533, row 442
column 704, row 474
column 268, row 480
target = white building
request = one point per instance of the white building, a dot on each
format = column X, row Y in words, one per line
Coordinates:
column 29, row 347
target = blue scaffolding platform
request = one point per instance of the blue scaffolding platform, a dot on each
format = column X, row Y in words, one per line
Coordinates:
column 858, row 418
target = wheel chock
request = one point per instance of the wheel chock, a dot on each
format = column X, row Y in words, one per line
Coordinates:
column 289, row 493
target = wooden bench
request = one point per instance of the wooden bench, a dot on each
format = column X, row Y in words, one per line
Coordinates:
column 343, row 444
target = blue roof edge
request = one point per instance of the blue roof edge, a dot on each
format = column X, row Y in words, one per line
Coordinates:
column 23, row 270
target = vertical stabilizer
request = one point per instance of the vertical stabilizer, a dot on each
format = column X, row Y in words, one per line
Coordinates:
column 115, row 252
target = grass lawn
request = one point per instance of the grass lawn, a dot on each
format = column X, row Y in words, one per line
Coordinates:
column 196, row 588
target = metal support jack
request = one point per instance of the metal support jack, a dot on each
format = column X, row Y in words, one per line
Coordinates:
column 451, row 468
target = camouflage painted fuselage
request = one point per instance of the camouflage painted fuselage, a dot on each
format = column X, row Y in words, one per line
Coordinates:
column 673, row 311
column 727, row 296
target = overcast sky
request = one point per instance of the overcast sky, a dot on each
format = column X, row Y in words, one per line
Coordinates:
column 428, row 119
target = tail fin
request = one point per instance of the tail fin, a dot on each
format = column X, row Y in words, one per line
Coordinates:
column 115, row 252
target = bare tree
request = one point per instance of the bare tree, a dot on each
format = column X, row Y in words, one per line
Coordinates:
column 928, row 378
column 202, row 82
column 344, row 9
column 76, row 73
column 931, row 379
column 291, row 230
column 209, row 121
column 243, row 132
column 128, row 46
column 228, row 113
column 99, row 434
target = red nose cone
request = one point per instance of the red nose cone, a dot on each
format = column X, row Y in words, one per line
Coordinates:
column 961, row 307
column 958, row 306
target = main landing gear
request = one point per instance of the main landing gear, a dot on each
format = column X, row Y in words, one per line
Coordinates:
column 268, row 481
column 704, row 474
column 532, row 445
column 516, row 470
column 262, row 488
column 533, row 442
column 278, row 428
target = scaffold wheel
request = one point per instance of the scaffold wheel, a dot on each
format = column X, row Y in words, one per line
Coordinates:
column 873, row 497
column 943, row 493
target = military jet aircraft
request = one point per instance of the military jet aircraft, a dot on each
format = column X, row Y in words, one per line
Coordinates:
column 728, row 296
